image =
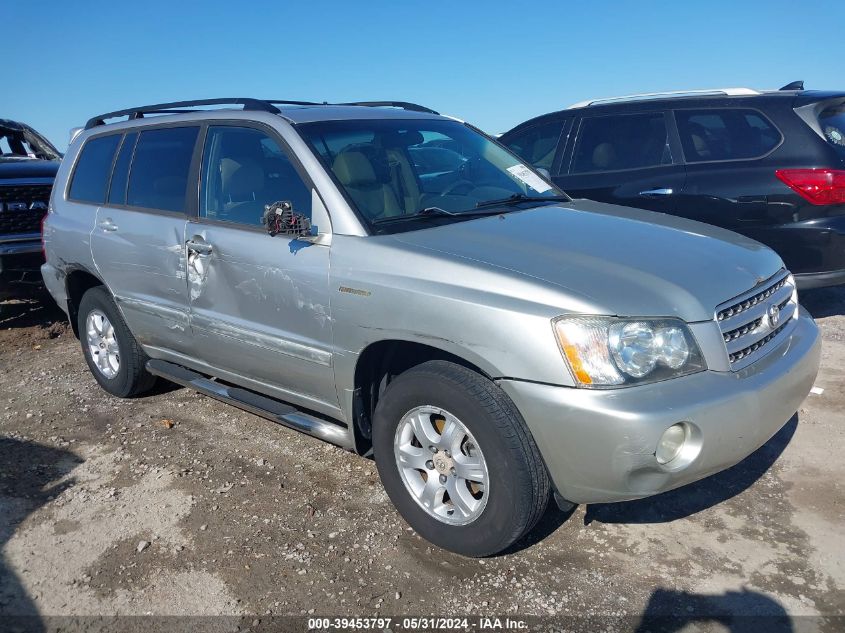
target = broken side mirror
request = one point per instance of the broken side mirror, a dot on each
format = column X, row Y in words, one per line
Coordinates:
column 280, row 218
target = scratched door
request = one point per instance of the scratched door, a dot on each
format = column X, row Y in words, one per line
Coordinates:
column 259, row 305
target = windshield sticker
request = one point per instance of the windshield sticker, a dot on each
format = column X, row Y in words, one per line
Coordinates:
column 525, row 175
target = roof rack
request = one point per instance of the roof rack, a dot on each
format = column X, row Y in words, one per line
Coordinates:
column 176, row 107
column 405, row 105
column 262, row 105
column 731, row 92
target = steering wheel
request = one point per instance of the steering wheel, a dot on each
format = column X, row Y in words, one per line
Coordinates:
column 458, row 184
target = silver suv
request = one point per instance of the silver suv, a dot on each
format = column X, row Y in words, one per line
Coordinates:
column 398, row 283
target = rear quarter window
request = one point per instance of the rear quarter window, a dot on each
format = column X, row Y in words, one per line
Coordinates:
column 725, row 134
column 91, row 176
column 158, row 176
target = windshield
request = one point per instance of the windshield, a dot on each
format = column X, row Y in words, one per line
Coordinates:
column 21, row 142
column 832, row 122
column 394, row 168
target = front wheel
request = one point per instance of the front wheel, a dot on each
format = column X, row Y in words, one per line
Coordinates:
column 457, row 460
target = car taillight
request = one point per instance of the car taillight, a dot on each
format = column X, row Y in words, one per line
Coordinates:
column 818, row 186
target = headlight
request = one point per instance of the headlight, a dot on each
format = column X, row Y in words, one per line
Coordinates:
column 606, row 351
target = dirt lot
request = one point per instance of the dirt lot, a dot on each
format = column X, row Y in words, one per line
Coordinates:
column 106, row 510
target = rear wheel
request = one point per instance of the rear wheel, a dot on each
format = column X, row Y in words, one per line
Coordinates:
column 112, row 353
column 457, row 460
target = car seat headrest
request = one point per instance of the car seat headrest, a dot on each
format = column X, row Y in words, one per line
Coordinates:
column 354, row 169
column 604, row 156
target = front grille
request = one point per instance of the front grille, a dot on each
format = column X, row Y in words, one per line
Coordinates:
column 737, row 356
column 752, row 320
column 744, row 305
column 22, row 207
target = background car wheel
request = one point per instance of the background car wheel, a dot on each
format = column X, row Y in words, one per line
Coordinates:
column 457, row 460
column 112, row 353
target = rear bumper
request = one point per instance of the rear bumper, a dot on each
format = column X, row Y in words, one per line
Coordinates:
column 54, row 281
column 814, row 250
column 820, row 280
column 599, row 445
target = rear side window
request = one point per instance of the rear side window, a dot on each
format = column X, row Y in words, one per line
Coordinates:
column 120, row 175
column 729, row 134
column 91, row 176
column 832, row 122
column 537, row 144
column 158, row 176
column 628, row 141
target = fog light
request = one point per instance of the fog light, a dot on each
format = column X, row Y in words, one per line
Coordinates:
column 671, row 443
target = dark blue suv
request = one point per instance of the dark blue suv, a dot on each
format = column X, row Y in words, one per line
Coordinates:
column 767, row 164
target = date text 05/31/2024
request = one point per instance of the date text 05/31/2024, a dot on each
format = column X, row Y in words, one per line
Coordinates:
column 417, row 624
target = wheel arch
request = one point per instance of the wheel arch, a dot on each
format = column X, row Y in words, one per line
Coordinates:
column 380, row 362
column 77, row 282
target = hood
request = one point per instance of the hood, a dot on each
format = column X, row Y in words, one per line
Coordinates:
column 28, row 168
column 621, row 261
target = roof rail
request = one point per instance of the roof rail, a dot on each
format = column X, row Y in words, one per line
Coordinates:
column 263, row 105
column 405, row 105
column 175, row 107
column 731, row 92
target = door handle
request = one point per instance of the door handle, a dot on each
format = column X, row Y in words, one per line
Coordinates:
column 650, row 193
column 108, row 225
column 201, row 248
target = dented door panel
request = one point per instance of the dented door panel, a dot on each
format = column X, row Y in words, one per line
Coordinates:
column 141, row 257
column 259, row 306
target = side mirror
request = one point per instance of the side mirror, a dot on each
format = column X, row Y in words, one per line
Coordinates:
column 544, row 172
column 280, row 218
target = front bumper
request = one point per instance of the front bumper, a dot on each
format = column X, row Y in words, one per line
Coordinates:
column 599, row 444
column 20, row 266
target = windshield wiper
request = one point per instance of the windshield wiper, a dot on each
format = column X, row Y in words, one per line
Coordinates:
column 434, row 212
column 518, row 198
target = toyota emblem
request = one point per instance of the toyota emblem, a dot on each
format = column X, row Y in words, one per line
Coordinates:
column 774, row 315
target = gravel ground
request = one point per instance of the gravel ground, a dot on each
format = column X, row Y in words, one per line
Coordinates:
column 177, row 504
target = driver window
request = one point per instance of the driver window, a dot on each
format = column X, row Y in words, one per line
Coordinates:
column 244, row 169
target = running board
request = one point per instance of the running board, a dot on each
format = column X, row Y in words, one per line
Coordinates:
column 268, row 408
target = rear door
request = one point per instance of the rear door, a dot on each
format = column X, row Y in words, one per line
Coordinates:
column 259, row 304
column 728, row 178
column 626, row 159
column 138, row 239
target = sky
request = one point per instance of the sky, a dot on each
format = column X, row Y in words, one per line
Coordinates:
column 492, row 63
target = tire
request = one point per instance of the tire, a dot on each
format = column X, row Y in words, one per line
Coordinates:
column 130, row 376
column 516, row 487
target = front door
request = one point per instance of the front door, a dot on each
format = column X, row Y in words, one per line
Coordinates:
column 259, row 305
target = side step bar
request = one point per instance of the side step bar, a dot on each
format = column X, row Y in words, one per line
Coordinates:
column 253, row 402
